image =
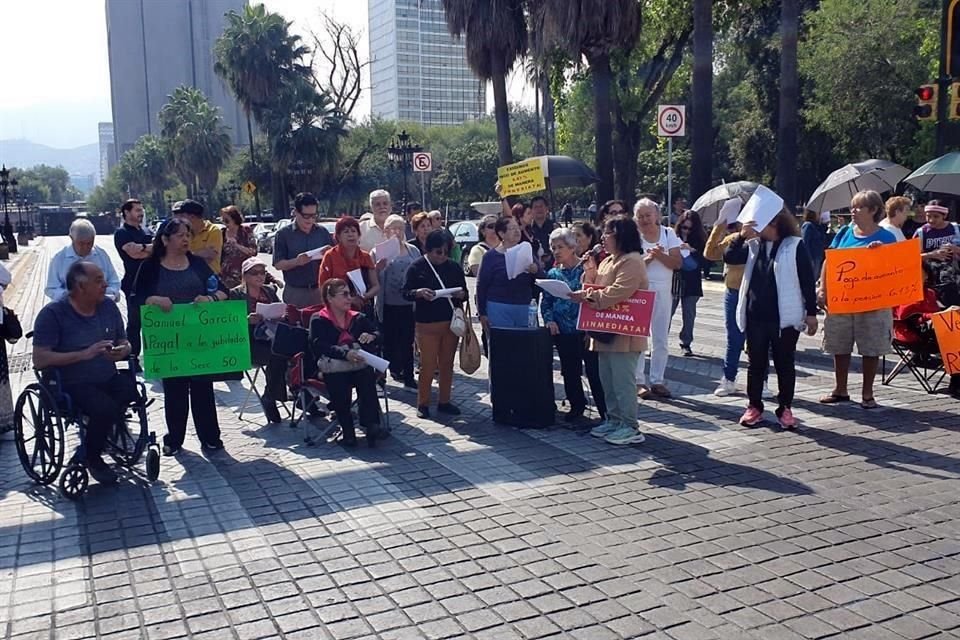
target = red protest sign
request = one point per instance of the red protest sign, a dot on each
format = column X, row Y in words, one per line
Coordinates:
column 629, row 318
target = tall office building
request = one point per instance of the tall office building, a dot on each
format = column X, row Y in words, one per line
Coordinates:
column 418, row 71
column 107, row 154
column 155, row 46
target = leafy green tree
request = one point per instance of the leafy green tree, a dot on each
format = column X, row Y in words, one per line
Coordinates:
column 145, row 169
column 196, row 139
column 467, row 174
column 43, row 183
column 496, row 35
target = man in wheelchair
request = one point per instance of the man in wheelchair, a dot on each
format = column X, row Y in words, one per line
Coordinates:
column 82, row 337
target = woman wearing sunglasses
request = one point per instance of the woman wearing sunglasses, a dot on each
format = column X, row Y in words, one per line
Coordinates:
column 488, row 240
column 687, row 283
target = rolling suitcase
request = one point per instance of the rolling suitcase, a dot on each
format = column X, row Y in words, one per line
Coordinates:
column 521, row 377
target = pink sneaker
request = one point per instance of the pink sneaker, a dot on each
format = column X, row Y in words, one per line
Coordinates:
column 787, row 421
column 751, row 417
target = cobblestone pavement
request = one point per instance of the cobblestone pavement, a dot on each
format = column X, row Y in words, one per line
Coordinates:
column 847, row 528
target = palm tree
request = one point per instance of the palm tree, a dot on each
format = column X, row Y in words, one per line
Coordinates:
column 256, row 56
column 701, row 121
column 594, row 29
column 789, row 102
column 145, row 169
column 496, row 35
column 197, row 141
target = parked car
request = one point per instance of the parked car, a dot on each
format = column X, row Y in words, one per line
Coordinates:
column 260, row 233
column 466, row 234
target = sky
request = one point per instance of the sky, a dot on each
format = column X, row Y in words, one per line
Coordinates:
column 56, row 79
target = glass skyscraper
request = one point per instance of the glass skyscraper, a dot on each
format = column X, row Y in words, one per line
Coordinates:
column 418, row 71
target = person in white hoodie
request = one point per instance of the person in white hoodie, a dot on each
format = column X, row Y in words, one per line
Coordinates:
column 777, row 300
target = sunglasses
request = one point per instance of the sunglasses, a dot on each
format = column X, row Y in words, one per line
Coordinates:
column 256, row 272
column 615, row 212
column 308, row 216
column 686, row 227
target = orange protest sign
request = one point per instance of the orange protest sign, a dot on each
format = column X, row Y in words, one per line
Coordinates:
column 946, row 325
column 865, row 279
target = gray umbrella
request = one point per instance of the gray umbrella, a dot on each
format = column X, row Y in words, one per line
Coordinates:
column 708, row 205
column 940, row 175
column 840, row 186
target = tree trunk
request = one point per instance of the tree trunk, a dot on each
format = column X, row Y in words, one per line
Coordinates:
column 502, row 115
column 701, row 121
column 626, row 150
column 789, row 103
column 600, row 70
column 280, row 201
column 549, row 127
column 253, row 163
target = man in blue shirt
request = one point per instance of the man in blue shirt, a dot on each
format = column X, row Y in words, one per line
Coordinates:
column 82, row 337
column 81, row 247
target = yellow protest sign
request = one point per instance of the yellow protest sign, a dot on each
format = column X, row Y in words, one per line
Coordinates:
column 869, row 279
column 946, row 325
column 521, row 177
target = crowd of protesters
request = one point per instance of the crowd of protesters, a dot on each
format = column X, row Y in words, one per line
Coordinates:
column 392, row 285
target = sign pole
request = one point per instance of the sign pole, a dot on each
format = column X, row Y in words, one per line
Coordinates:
column 423, row 192
column 669, row 177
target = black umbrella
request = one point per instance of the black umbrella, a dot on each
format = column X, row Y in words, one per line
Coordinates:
column 564, row 171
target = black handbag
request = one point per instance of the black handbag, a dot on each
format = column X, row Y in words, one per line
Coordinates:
column 290, row 340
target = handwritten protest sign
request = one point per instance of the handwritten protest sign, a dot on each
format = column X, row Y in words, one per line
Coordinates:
column 947, row 327
column 629, row 318
column 521, row 177
column 869, row 279
column 195, row 339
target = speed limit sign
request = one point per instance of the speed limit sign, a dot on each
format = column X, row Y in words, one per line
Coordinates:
column 671, row 120
column 422, row 161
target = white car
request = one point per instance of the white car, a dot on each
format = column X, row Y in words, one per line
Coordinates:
column 466, row 234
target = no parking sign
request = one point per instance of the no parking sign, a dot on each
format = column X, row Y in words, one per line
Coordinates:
column 422, row 161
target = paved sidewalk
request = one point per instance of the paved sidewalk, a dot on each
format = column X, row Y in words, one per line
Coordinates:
column 848, row 528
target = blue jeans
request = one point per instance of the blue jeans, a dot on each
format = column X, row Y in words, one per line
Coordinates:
column 735, row 338
column 507, row 316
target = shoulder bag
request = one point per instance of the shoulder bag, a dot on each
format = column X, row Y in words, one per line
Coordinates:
column 458, row 323
column 469, row 348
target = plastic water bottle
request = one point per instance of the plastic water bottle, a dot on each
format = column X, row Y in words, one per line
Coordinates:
column 212, row 285
column 532, row 320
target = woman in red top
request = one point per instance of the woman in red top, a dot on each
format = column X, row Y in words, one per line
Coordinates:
column 347, row 256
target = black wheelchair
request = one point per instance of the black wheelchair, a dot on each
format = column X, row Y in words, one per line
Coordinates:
column 42, row 412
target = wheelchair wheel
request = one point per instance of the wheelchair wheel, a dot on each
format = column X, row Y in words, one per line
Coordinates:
column 126, row 441
column 153, row 464
column 74, row 481
column 38, row 434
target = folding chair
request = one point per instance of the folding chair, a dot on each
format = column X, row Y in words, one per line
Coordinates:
column 926, row 366
column 253, row 390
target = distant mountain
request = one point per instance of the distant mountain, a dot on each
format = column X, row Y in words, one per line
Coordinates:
column 25, row 154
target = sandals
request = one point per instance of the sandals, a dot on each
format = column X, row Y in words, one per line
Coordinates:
column 869, row 403
column 834, row 398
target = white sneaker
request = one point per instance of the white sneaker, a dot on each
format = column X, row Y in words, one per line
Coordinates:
column 767, row 393
column 625, row 435
column 726, row 388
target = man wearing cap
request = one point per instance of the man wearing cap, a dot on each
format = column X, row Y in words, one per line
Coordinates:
column 134, row 246
column 82, row 246
column 255, row 290
column 207, row 240
column 301, row 270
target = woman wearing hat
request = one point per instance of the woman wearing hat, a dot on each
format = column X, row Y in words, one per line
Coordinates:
column 255, row 290
column 11, row 331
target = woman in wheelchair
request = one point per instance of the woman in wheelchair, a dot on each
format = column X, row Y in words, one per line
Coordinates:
column 172, row 275
column 337, row 336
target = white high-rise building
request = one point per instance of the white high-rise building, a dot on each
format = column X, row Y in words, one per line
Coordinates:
column 418, row 71
column 107, row 153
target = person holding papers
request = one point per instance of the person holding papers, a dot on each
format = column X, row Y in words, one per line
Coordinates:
column 254, row 291
column 427, row 278
column 348, row 262
column 776, row 301
column 661, row 254
column 339, row 336
column 560, row 317
column 617, row 278
column 296, row 252
column 872, row 331
column 395, row 311
column 502, row 300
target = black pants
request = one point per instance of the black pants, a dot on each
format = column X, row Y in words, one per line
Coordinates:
column 133, row 325
column 573, row 356
column 398, row 333
column 764, row 338
column 275, row 369
column 104, row 404
column 178, row 396
column 340, row 388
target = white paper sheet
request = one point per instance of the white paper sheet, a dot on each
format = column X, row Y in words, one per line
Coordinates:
column 376, row 362
column 556, row 288
column 519, row 257
column 271, row 311
column 762, row 207
column 446, row 293
column 317, row 254
column 387, row 250
column 356, row 277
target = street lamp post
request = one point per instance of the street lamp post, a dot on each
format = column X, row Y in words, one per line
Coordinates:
column 6, row 184
column 400, row 154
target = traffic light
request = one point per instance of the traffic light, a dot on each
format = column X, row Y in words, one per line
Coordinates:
column 953, row 112
column 926, row 109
